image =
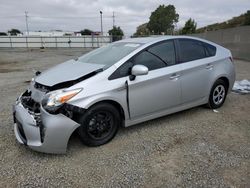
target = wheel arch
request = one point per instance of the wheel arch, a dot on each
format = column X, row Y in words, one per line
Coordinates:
column 211, row 104
column 225, row 79
column 221, row 77
column 116, row 104
column 115, row 98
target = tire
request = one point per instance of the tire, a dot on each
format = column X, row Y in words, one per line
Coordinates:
column 99, row 124
column 218, row 94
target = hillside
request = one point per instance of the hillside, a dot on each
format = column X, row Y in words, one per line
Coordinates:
column 243, row 19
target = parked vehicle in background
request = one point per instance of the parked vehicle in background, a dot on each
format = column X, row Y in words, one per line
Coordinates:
column 121, row 84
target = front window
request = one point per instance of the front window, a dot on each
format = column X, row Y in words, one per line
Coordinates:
column 149, row 60
column 165, row 50
column 110, row 54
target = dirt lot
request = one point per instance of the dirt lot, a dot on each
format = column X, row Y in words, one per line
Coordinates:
column 193, row 148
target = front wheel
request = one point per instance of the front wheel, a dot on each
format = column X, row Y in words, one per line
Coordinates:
column 218, row 94
column 99, row 124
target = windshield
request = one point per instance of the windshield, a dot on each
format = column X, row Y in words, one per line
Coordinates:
column 110, row 54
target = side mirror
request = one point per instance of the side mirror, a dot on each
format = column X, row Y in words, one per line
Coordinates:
column 138, row 70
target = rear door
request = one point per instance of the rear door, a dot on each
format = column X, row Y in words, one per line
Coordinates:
column 160, row 89
column 196, row 70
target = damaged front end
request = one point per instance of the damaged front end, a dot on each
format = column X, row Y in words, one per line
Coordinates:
column 33, row 109
column 41, row 127
column 43, row 120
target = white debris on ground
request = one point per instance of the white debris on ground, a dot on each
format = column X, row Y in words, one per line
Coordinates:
column 216, row 111
column 242, row 87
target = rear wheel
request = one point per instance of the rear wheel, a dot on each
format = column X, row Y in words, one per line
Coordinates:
column 218, row 94
column 99, row 124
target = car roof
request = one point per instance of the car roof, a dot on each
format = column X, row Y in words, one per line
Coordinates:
column 153, row 39
column 145, row 40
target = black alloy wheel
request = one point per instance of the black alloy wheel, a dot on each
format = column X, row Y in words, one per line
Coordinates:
column 99, row 124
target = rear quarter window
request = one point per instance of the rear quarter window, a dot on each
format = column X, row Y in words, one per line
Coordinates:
column 210, row 49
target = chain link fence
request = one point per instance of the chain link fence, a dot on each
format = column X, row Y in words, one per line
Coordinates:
column 88, row 41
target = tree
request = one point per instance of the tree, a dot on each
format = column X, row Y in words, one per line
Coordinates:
column 247, row 18
column 14, row 32
column 116, row 33
column 86, row 32
column 162, row 20
column 142, row 30
column 3, row 34
column 190, row 27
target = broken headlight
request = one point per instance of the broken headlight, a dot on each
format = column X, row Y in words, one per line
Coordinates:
column 53, row 100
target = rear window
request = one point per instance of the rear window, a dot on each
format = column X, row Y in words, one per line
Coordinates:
column 191, row 50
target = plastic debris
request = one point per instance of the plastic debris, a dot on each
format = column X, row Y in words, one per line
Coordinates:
column 242, row 87
column 216, row 111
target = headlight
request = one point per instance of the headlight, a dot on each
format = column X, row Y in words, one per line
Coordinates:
column 53, row 100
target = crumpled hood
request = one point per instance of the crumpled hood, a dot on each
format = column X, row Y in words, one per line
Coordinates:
column 67, row 71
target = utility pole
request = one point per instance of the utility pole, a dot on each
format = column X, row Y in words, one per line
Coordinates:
column 101, row 23
column 113, row 19
column 26, row 19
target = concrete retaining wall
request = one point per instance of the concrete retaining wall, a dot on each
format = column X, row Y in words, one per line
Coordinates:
column 236, row 39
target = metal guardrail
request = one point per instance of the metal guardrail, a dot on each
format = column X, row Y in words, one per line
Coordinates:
column 87, row 41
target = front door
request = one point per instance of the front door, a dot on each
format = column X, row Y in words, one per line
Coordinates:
column 160, row 89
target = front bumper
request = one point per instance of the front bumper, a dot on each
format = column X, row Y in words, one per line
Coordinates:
column 52, row 137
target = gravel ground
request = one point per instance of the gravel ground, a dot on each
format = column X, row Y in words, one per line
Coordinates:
column 193, row 148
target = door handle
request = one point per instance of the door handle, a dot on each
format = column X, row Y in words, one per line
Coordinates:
column 209, row 66
column 174, row 76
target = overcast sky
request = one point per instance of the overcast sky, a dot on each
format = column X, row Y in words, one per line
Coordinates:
column 74, row 15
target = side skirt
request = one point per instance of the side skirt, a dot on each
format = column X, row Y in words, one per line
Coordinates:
column 148, row 117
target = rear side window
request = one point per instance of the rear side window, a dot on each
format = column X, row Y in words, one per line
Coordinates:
column 165, row 51
column 210, row 49
column 191, row 50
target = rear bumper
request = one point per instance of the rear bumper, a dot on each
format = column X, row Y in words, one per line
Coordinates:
column 50, row 135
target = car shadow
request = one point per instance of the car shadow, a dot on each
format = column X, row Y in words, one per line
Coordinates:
column 75, row 144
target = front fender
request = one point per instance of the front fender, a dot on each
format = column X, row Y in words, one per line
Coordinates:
column 118, row 97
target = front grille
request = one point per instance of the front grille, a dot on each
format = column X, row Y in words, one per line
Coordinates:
column 34, row 110
column 39, row 123
column 29, row 103
column 21, row 131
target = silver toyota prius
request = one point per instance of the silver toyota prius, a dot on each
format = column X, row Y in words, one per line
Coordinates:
column 121, row 84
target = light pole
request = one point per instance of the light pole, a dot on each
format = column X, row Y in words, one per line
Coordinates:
column 26, row 19
column 113, row 19
column 101, row 23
